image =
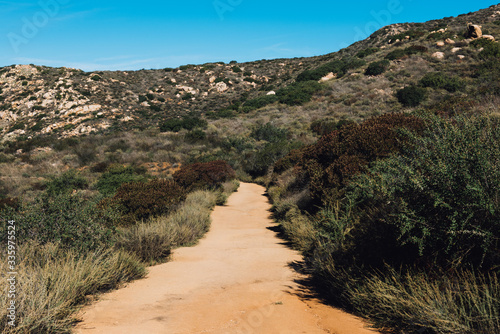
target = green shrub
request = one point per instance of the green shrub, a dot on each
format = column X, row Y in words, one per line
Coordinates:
column 440, row 197
column 177, row 124
column 66, row 183
column 263, row 160
column 411, row 96
column 71, row 220
column 338, row 67
column 396, row 54
column 441, row 80
column 377, row 67
column 298, row 93
column 204, row 175
column 196, row 135
column 260, row 101
column 117, row 175
column 367, row 52
column 270, row 133
column 236, row 69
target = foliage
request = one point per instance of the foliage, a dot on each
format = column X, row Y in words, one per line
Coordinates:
column 141, row 200
column 259, row 164
column 439, row 197
column 204, row 175
column 270, row 133
column 152, row 241
column 377, row 67
column 298, row 93
column 338, row 67
column 411, row 96
column 323, row 127
column 117, row 175
column 366, row 52
column 441, row 80
column 52, row 283
column 66, row 183
column 339, row 155
column 71, row 220
column 260, row 101
column 177, row 124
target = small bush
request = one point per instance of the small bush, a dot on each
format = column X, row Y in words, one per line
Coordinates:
column 338, row 67
column 270, row 133
column 66, row 183
column 177, row 124
column 141, row 200
column 298, row 93
column 204, row 175
column 117, row 175
column 441, row 80
column 396, row 54
column 411, row 96
column 260, row 101
column 367, row 52
column 196, row 135
column 377, row 67
column 71, row 220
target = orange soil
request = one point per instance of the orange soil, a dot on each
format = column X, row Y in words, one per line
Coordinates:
column 238, row 279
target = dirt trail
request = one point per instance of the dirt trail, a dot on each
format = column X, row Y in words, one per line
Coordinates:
column 236, row 280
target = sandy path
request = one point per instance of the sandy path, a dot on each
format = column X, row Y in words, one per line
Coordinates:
column 236, row 280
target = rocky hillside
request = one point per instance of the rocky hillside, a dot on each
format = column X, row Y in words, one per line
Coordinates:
column 65, row 102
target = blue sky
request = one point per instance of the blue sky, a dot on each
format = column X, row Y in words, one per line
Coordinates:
column 130, row 35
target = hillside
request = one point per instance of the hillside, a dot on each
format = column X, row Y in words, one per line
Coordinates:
column 38, row 100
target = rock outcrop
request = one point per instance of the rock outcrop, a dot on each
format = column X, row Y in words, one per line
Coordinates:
column 474, row 31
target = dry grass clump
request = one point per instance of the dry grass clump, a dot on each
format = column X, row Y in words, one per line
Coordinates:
column 153, row 240
column 52, row 282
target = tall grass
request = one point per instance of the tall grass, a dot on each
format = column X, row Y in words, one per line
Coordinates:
column 52, row 282
column 153, row 240
column 466, row 303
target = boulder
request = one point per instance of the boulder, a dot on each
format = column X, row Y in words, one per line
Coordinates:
column 449, row 41
column 474, row 31
column 491, row 38
column 455, row 50
column 440, row 43
column 460, row 56
column 271, row 93
column 438, row 55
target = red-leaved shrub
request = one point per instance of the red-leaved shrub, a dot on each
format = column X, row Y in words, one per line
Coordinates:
column 204, row 175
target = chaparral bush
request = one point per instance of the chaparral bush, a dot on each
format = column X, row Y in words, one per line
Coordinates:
column 204, row 175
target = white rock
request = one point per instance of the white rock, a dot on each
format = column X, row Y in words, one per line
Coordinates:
column 271, row 93
column 455, row 49
column 327, row 77
column 438, row 55
column 221, row 87
column 491, row 38
column 461, row 56
column 440, row 43
column 449, row 41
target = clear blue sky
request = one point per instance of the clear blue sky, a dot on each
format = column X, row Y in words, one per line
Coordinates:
column 128, row 35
